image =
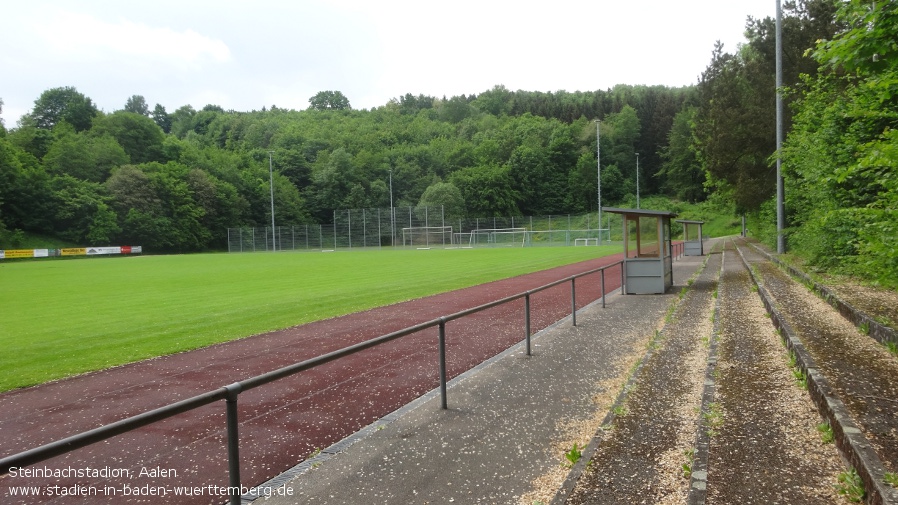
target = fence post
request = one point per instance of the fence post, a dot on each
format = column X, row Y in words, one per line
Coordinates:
column 443, row 402
column 623, row 277
column 527, row 320
column 233, row 443
column 573, row 302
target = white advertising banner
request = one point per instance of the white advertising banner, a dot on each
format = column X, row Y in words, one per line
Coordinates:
column 41, row 253
column 103, row 250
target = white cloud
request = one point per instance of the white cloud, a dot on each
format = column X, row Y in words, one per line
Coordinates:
column 82, row 36
column 245, row 55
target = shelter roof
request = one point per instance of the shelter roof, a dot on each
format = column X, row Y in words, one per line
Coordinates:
column 640, row 212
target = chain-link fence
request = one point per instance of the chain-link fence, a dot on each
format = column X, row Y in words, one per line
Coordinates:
column 423, row 227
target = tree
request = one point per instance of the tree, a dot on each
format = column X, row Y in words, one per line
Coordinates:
column 446, row 196
column 182, row 120
column 31, row 139
column 487, row 190
column 455, row 109
column 620, row 134
column 62, row 104
column 329, row 100
column 529, row 169
column 841, row 157
column 138, row 105
column 161, row 118
column 25, row 192
column 83, row 156
column 410, row 104
column 138, row 135
column 681, row 170
column 735, row 130
column 81, row 211
column 496, row 101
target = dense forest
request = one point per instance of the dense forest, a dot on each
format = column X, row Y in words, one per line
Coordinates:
column 175, row 181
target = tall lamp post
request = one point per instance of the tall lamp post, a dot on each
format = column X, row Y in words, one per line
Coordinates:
column 599, row 177
column 780, row 190
column 392, row 214
column 271, row 184
column 637, row 180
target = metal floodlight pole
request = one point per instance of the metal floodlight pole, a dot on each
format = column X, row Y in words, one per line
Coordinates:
column 271, row 184
column 637, row 180
column 599, row 176
column 780, row 191
column 392, row 214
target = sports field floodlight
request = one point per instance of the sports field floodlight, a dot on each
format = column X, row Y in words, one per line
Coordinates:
column 392, row 214
column 274, row 246
column 780, row 188
column 599, row 178
column 637, row 180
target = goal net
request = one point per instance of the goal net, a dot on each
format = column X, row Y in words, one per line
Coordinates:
column 499, row 237
column 426, row 236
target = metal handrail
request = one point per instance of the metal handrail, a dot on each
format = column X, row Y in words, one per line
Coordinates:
column 231, row 392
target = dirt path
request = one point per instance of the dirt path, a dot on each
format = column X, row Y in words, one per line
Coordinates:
column 283, row 423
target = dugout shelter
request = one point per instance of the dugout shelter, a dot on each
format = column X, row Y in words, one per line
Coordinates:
column 692, row 237
column 648, row 258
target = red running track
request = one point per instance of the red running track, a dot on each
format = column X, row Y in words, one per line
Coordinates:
column 283, row 422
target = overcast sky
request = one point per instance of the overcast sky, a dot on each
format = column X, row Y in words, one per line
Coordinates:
column 249, row 54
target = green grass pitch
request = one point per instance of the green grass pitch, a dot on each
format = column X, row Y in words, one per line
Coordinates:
column 64, row 317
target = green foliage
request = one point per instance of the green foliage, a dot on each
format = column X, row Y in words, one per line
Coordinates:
column 574, row 455
column 83, row 156
column 58, row 105
column 487, row 191
column 138, row 105
column 682, row 171
column 891, row 479
column 735, row 126
column 690, row 461
column 842, row 155
column 713, row 418
column 329, row 100
column 826, row 432
column 446, row 196
column 201, row 171
column 137, row 134
column 851, row 486
column 892, row 347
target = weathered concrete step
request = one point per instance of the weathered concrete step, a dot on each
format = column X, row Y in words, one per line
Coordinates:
column 759, row 428
column 852, row 379
column 867, row 321
column 640, row 458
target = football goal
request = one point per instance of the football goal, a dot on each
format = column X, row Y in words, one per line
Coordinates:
column 499, row 237
column 586, row 241
column 426, row 236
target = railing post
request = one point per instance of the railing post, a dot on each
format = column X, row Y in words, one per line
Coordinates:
column 573, row 302
column 603, row 288
column 233, row 444
column 527, row 320
column 622, row 279
column 444, row 404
